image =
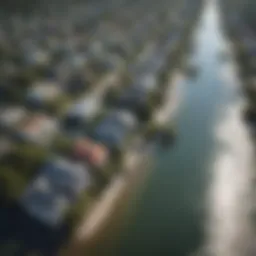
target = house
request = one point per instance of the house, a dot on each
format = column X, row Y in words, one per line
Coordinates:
column 43, row 92
column 56, row 188
column 11, row 116
column 39, row 128
column 114, row 128
column 81, row 113
column 95, row 154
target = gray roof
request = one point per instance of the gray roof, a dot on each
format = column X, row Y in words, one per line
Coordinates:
column 86, row 107
column 56, row 188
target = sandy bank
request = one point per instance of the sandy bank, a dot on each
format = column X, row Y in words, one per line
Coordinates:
column 100, row 226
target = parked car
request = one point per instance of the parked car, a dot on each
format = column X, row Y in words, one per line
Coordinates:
column 56, row 188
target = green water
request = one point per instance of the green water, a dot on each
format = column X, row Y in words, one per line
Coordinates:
column 169, row 217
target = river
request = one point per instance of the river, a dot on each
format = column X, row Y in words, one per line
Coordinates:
column 198, row 198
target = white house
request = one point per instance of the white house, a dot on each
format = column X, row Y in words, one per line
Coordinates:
column 44, row 91
column 12, row 116
column 84, row 109
column 39, row 128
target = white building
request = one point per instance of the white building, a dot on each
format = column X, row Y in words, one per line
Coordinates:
column 86, row 109
column 39, row 128
column 44, row 91
column 12, row 116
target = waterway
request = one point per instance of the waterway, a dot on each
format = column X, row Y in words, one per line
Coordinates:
column 198, row 198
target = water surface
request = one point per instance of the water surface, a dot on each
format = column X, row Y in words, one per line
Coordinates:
column 180, row 211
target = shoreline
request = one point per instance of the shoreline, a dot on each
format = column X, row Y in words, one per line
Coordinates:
column 101, row 218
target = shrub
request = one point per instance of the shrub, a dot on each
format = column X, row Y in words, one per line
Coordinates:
column 12, row 184
column 250, row 115
column 151, row 130
column 76, row 213
column 156, row 98
column 144, row 112
column 25, row 159
column 57, row 106
column 10, row 248
column 63, row 145
column 26, row 77
column 111, row 96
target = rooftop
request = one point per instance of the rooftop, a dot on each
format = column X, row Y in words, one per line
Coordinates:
column 55, row 189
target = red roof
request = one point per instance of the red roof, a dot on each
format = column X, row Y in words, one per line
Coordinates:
column 95, row 154
column 82, row 148
column 99, row 155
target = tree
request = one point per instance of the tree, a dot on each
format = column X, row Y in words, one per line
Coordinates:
column 63, row 145
column 97, row 120
column 11, row 248
column 156, row 98
column 78, row 210
column 34, row 254
column 12, row 184
column 167, row 136
column 26, row 77
column 144, row 111
column 150, row 130
column 25, row 159
column 111, row 95
column 250, row 114
column 117, row 155
column 35, row 154
column 58, row 105
column 163, row 77
column 163, row 134
column 250, row 89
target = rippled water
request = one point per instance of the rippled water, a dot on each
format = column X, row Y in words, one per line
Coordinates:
column 199, row 197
